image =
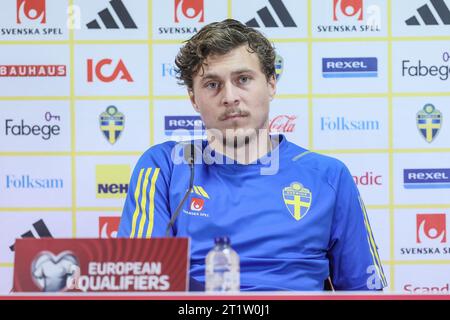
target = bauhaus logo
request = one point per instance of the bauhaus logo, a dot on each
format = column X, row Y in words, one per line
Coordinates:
column 108, row 227
column 39, row 230
column 431, row 227
column 106, row 70
column 108, row 20
column 348, row 8
column 31, row 10
column 345, row 124
column 176, row 125
column 189, row 10
column 22, row 128
column 112, row 180
column 32, row 71
column 269, row 17
column 426, row 178
column 431, row 15
column 283, row 123
column 350, row 67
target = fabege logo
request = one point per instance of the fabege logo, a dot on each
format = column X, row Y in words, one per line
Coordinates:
column 99, row 71
column 31, row 10
column 431, row 227
column 197, row 204
column 108, row 227
column 51, row 273
column 349, row 8
column 189, row 9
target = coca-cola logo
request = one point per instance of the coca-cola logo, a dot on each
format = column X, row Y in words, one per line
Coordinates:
column 283, row 123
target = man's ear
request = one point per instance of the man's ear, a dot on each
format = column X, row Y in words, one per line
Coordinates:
column 272, row 84
column 192, row 98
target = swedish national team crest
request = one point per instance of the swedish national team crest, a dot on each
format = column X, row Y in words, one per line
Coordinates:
column 279, row 66
column 112, row 123
column 429, row 121
column 297, row 199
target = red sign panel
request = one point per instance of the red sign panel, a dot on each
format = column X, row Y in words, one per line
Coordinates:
column 101, row 265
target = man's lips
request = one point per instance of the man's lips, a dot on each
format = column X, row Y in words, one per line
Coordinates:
column 234, row 115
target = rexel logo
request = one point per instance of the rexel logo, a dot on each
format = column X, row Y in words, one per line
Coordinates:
column 347, row 8
column 31, row 10
column 431, row 226
column 366, row 67
column 189, row 10
column 106, row 70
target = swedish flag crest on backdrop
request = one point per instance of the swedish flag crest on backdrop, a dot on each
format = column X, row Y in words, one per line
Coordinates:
column 112, row 123
column 429, row 122
column 297, row 199
column 279, row 67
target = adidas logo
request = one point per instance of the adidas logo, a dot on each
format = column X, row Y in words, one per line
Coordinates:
column 427, row 16
column 40, row 228
column 108, row 19
column 267, row 18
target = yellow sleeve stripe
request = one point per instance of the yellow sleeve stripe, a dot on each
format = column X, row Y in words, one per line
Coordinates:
column 136, row 201
column 203, row 192
column 152, row 203
column 144, row 203
column 195, row 190
column 372, row 245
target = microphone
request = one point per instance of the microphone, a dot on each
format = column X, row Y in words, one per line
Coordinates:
column 189, row 156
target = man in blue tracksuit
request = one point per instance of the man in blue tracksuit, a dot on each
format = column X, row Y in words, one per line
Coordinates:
column 294, row 217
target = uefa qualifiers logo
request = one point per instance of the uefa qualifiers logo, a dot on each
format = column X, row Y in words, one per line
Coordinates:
column 54, row 273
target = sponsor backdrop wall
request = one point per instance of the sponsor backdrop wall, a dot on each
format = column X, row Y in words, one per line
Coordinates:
column 87, row 86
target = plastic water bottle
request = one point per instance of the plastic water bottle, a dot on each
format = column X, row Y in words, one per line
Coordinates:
column 222, row 267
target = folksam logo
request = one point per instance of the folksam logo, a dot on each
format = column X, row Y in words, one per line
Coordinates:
column 350, row 67
column 426, row 178
column 190, row 124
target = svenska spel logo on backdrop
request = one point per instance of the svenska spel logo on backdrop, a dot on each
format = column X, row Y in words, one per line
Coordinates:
column 351, row 16
column 34, row 10
column 112, row 180
column 431, row 227
column 108, row 227
column 193, row 10
column 365, row 67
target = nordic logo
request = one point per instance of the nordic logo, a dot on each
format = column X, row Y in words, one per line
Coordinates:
column 428, row 17
column 268, row 19
column 426, row 178
column 350, row 67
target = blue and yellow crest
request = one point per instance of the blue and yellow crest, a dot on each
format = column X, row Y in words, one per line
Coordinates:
column 112, row 123
column 429, row 121
column 297, row 199
column 279, row 66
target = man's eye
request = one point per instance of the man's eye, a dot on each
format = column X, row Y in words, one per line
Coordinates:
column 212, row 85
column 244, row 79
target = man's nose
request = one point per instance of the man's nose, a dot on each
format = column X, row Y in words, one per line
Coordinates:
column 230, row 95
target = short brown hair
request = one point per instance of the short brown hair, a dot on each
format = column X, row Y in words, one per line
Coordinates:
column 220, row 38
